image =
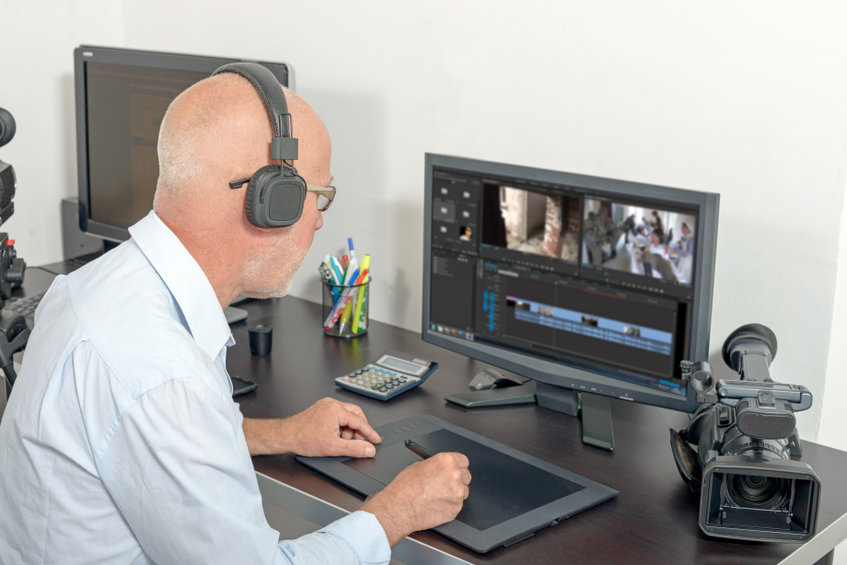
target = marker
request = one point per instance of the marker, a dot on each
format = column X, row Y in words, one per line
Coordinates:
column 352, row 271
column 354, row 278
column 417, row 449
column 336, row 267
column 326, row 273
column 350, row 247
column 328, row 270
column 338, row 308
column 345, row 316
column 359, row 315
column 342, row 302
column 352, row 262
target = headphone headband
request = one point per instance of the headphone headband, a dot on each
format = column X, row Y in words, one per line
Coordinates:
column 283, row 147
column 276, row 193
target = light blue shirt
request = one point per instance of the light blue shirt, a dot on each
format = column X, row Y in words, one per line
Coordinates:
column 121, row 443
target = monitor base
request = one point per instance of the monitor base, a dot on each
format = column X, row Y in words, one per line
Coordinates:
column 509, row 396
column 594, row 410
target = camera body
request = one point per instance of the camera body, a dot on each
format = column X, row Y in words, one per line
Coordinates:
column 746, row 466
column 11, row 267
column 7, row 172
column 14, row 332
column 7, row 190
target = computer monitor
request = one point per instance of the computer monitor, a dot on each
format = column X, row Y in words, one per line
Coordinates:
column 585, row 284
column 121, row 97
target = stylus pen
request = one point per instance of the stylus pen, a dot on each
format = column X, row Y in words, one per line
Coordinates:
column 417, row 449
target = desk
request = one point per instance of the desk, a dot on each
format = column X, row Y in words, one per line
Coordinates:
column 653, row 520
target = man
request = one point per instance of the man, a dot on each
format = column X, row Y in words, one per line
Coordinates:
column 682, row 252
column 684, row 246
column 657, row 257
column 120, row 442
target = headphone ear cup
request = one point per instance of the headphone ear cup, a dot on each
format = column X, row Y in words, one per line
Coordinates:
column 274, row 199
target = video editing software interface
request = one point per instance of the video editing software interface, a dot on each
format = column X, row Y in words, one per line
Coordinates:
column 597, row 280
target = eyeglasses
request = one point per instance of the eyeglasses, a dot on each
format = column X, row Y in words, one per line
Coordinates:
column 325, row 193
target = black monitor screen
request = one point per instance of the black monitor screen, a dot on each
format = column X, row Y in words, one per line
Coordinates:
column 121, row 97
column 581, row 282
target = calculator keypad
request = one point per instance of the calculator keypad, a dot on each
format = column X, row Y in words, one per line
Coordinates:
column 377, row 382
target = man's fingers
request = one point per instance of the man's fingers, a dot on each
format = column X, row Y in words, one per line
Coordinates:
column 354, row 448
column 460, row 458
column 368, row 432
column 358, row 424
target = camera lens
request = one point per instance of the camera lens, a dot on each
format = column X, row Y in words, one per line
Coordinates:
column 755, row 491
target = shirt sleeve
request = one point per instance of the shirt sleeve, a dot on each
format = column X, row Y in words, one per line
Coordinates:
column 357, row 538
column 177, row 466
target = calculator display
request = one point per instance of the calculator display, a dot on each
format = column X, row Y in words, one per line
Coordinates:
column 385, row 378
column 401, row 365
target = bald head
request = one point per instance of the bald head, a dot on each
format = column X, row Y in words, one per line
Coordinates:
column 218, row 131
column 205, row 129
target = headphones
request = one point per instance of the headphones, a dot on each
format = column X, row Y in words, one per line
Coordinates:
column 276, row 193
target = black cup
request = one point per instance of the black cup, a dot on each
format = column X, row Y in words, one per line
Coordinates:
column 261, row 338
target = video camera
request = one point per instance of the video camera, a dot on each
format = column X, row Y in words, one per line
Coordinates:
column 13, row 329
column 746, row 467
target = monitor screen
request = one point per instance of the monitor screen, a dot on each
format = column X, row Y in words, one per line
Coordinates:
column 579, row 282
column 121, row 97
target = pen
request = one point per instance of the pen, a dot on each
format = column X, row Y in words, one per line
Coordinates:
column 417, row 449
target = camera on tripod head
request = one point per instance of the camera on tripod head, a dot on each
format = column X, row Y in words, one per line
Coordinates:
column 11, row 267
column 14, row 332
column 746, row 467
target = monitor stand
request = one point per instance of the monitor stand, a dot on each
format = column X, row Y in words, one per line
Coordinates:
column 595, row 412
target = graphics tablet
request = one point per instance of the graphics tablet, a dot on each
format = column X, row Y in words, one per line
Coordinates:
column 512, row 494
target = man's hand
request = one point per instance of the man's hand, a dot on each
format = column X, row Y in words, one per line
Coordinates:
column 424, row 495
column 327, row 428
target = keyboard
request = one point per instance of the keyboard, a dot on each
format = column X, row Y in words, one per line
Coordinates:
column 25, row 307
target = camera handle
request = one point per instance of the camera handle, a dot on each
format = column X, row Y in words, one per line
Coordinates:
column 731, row 392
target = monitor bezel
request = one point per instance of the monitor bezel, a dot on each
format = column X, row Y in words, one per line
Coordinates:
column 85, row 54
column 559, row 374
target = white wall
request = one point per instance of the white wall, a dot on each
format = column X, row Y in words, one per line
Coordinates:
column 744, row 99
column 36, row 86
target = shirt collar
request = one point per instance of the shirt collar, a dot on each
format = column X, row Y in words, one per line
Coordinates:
column 186, row 282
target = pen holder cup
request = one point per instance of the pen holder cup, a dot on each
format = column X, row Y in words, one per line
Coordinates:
column 345, row 309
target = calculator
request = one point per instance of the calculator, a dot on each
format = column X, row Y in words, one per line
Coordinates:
column 390, row 375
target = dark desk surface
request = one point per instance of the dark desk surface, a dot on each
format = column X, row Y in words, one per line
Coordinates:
column 653, row 520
